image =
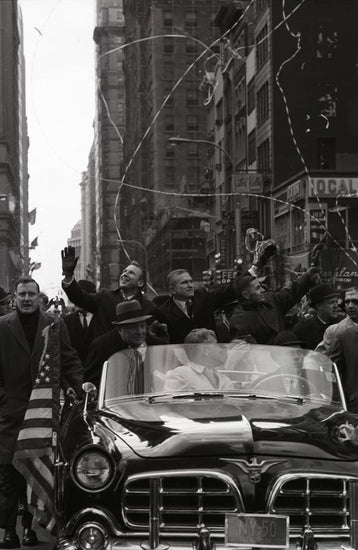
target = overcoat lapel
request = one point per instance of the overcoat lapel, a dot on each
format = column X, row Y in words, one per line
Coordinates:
column 17, row 330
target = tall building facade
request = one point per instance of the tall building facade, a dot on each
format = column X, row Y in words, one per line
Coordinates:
column 108, row 140
column 284, row 110
column 13, row 148
column 88, row 220
column 163, row 75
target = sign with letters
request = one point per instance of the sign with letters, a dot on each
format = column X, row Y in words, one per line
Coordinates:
column 257, row 530
column 332, row 187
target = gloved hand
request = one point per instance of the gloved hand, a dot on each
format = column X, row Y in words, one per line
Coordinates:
column 315, row 257
column 265, row 250
column 69, row 261
column 158, row 331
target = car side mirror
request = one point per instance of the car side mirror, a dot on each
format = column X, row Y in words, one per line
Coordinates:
column 90, row 391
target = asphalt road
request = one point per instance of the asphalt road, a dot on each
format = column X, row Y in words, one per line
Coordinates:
column 44, row 542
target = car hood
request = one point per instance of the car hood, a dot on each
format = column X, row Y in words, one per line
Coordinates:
column 231, row 426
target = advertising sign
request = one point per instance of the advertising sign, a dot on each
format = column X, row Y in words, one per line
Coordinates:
column 332, row 187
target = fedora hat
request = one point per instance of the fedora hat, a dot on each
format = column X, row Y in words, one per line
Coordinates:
column 87, row 286
column 129, row 312
column 321, row 292
column 4, row 296
column 287, row 338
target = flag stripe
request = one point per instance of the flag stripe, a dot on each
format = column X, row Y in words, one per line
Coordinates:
column 34, row 433
column 34, row 454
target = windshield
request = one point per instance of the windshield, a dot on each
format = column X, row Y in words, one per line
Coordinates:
column 237, row 368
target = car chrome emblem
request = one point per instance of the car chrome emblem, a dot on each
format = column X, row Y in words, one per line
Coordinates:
column 253, row 469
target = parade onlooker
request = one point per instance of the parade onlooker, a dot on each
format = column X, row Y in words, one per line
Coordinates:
column 5, row 299
column 79, row 324
column 324, row 300
column 333, row 331
column 33, row 347
column 132, row 283
column 261, row 313
column 130, row 329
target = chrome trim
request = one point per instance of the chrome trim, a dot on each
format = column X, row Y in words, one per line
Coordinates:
column 88, row 525
column 100, row 450
column 100, row 402
column 155, row 509
column 282, row 480
column 340, row 387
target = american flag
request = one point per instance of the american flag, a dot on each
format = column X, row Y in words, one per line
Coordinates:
column 36, row 442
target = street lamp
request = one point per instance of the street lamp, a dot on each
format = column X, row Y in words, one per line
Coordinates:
column 178, row 140
column 144, row 250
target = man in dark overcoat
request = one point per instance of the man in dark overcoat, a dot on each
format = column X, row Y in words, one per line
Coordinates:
column 132, row 283
column 24, row 337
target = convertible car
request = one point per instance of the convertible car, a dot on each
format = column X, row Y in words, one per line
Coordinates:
column 192, row 446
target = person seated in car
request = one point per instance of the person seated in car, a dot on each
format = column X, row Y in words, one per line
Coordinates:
column 286, row 379
column 201, row 371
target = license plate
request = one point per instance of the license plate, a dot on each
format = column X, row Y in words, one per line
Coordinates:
column 260, row 530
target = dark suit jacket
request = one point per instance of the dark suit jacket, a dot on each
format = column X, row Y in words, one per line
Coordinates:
column 344, row 352
column 204, row 305
column 80, row 337
column 18, row 369
column 263, row 321
column 311, row 331
column 103, row 347
column 102, row 305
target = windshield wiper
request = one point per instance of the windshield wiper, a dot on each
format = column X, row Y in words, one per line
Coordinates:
column 254, row 396
column 193, row 395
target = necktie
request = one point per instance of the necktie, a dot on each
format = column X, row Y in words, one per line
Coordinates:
column 189, row 308
column 136, row 373
column 85, row 324
column 213, row 377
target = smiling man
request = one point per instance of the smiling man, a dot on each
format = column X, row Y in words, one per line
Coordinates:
column 132, row 283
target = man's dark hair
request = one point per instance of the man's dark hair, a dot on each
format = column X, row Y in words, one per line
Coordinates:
column 144, row 273
column 24, row 280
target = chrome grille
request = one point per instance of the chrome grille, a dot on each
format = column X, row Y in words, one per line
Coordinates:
column 319, row 501
column 183, row 500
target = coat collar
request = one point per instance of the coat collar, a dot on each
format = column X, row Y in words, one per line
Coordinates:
column 15, row 327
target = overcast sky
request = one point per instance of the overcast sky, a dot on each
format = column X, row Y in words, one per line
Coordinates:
column 60, row 89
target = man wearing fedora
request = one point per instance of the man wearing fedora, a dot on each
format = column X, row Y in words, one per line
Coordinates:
column 131, row 331
column 324, row 300
column 102, row 304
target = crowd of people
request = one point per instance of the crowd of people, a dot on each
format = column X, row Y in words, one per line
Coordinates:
column 76, row 343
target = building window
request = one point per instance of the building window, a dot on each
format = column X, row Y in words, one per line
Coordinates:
column 326, row 153
column 168, row 45
column 240, row 94
column 262, row 47
column 169, row 174
column 191, row 19
column 192, row 123
column 169, row 123
column 327, row 100
column 167, row 19
column 169, row 151
column 263, row 103
column 327, row 42
column 251, row 96
column 191, row 47
column 260, row 6
column 252, row 146
column 263, row 156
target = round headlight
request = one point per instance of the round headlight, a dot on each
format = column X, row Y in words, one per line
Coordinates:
column 91, row 537
column 93, row 470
